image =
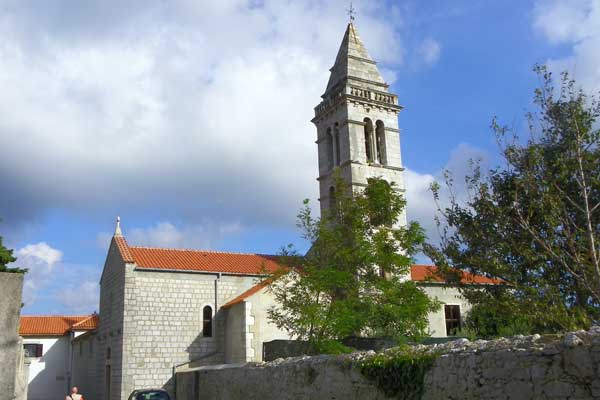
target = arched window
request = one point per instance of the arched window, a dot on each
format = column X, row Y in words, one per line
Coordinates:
column 207, row 318
column 368, row 139
column 336, row 133
column 380, row 142
column 329, row 148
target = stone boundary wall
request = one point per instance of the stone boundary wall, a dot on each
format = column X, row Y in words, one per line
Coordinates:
column 522, row 367
column 11, row 287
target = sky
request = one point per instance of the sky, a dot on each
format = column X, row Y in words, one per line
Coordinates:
column 190, row 119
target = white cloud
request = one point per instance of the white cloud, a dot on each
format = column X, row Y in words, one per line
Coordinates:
column 80, row 297
column 429, row 51
column 199, row 108
column 421, row 206
column 166, row 234
column 40, row 260
column 575, row 23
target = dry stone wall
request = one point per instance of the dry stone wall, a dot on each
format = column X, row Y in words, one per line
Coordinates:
column 523, row 367
column 11, row 286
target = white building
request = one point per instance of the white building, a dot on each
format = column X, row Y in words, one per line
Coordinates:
column 48, row 343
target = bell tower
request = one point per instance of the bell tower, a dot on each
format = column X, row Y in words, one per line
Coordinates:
column 357, row 123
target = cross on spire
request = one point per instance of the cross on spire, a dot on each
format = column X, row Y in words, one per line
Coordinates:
column 351, row 12
column 118, row 227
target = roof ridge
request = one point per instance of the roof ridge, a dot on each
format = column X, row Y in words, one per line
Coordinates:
column 202, row 251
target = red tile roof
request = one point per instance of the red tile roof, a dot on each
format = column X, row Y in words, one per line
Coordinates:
column 244, row 264
column 87, row 324
column 428, row 273
column 55, row 325
column 208, row 261
column 247, row 293
column 123, row 248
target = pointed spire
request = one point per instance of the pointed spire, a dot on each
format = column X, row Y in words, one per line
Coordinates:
column 353, row 60
column 118, row 227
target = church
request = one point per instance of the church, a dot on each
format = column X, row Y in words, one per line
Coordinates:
column 163, row 309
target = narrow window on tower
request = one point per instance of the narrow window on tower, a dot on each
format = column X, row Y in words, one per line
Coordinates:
column 329, row 148
column 207, row 318
column 337, row 144
column 380, row 141
column 368, row 139
column 332, row 201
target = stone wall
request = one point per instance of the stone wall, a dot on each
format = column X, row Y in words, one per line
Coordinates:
column 163, row 322
column 531, row 367
column 11, row 287
column 109, row 337
column 84, row 368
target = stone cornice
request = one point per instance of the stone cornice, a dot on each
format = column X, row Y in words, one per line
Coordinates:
column 348, row 162
column 366, row 60
column 322, row 109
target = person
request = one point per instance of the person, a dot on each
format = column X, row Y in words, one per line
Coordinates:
column 74, row 394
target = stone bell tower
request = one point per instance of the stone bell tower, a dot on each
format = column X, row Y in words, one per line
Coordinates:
column 357, row 123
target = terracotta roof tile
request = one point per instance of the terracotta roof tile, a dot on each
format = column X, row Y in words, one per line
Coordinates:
column 54, row 325
column 428, row 273
column 124, row 248
column 87, row 324
column 198, row 260
column 248, row 293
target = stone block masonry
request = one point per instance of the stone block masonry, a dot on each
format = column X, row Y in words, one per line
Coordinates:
column 163, row 320
column 522, row 367
column 11, row 285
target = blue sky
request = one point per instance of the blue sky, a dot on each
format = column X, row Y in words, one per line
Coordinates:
column 190, row 119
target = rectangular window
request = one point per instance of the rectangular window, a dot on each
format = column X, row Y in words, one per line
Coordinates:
column 91, row 347
column 452, row 319
column 80, row 348
column 33, row 349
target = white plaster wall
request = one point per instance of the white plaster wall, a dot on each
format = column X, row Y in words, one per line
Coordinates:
column 447, row 295
column 48, row 375
column 264, row 330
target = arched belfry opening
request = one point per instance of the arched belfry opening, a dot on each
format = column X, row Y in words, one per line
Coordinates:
column 380, row 142
column 368, row 137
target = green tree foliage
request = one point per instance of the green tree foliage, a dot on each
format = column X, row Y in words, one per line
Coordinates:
column 6, row 257
column 350, row 282
column 535, row 223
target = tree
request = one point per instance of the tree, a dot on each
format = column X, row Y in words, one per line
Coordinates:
column 535, row 223
column 6, row 257
column 350, row 282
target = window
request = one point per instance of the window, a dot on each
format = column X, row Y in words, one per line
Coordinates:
column 33, row 349
column 329, row 148
column 80, row 348
column 337, row 144
column 91, row 348
column 108, row 353
column 207, row 321
column 368, row 139
column 452, row 319
column 380, row 142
